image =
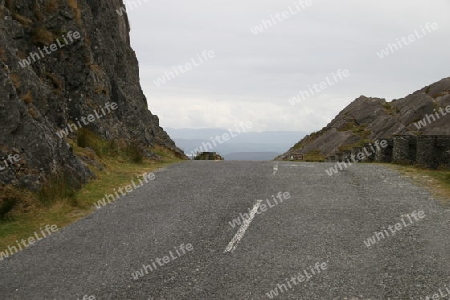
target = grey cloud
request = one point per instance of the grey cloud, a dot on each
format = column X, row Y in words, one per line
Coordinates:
column 261, row 72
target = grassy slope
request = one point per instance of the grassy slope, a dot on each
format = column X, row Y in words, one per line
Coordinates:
column 436, row 181
column 119, row 172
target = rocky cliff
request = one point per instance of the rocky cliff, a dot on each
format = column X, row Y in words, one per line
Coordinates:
column 368, row 119
column 63, row 65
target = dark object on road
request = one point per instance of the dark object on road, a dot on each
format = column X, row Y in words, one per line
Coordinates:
column 208, row 156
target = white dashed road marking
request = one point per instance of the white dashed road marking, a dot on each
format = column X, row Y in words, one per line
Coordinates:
column 240, row 234
column 275, row 169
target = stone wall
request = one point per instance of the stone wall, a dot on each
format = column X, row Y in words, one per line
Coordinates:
column 405, row 149
column 371, row 157
column 433, row 151
column 428, row 151
column 339, row 156
column 347, row 155
column 385, row 155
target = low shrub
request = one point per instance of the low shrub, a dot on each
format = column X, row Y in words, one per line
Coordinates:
column 12, row 200
column 57, row 187
column 88, row 139
column 135, row 152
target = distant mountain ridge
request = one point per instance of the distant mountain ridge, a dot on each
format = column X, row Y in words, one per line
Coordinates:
column 261, row 144
column 367, row 119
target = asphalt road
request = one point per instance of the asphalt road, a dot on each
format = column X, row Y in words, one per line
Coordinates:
column 325, row 223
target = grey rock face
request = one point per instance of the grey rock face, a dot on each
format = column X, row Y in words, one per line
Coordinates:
column 62, row 86
column 369, row 119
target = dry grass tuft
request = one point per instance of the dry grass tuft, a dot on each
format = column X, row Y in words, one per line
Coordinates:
column 28, row 98
column 15, row 80
column 42, row 36
column 22, row 20
column 76, row 10
column 52, row 6
column 12, row 200
column 56, row 82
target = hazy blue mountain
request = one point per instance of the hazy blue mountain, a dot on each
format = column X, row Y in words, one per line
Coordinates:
column 264, row 145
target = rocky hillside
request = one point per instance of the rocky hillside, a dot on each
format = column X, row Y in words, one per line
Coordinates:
column 67, row 65
column 368, row 119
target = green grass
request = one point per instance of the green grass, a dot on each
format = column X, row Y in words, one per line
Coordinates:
column 58, row 187
column 349, row 147
column 314, row 156
column 88, row 139
column 68, row 206
column 436, row 181
column 390, row 109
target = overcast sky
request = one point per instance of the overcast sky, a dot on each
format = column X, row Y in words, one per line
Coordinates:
column 252, row 77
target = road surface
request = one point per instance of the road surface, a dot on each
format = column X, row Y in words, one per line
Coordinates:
column 318, row 243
